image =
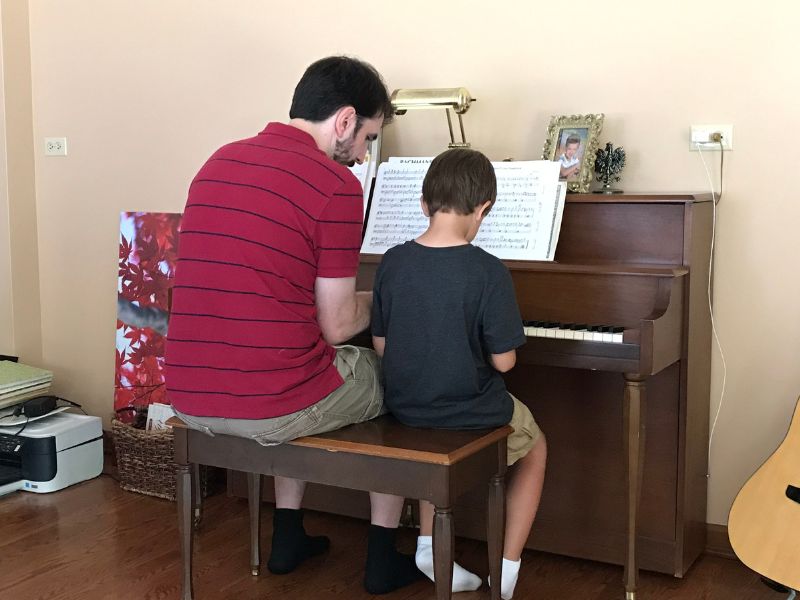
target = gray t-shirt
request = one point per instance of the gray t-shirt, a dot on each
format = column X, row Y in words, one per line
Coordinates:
column 442, row 312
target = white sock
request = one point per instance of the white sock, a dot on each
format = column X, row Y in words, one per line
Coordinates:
column 463, row 580
column 508, row 579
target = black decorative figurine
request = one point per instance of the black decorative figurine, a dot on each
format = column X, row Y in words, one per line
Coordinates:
column 608, row 163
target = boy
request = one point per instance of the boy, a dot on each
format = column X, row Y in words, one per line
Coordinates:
column 570, row 162
column 446, row 321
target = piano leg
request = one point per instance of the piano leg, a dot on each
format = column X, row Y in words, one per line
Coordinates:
column 634, row 440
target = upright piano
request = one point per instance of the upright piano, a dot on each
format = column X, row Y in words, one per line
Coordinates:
column 616, row 371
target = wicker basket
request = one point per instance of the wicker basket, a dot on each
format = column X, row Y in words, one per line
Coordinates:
column 145, row 461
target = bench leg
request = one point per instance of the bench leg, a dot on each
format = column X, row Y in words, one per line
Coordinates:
column 443, row 542
column 197, row 498
column 495, row 534
column 254, row 503
column 184, row 503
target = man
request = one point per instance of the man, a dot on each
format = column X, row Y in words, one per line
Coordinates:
column 265, row 286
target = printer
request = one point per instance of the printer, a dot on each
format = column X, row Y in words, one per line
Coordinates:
column 51, row 453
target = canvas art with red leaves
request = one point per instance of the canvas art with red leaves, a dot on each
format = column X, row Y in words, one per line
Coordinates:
column 148, row 248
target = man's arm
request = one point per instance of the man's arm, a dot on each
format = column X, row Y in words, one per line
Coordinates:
column 342, row 312
column 505, row 361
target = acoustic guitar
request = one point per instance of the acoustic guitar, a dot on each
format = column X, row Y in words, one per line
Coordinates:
column 764, row 522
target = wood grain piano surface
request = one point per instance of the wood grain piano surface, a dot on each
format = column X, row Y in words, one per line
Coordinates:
column 640, row 262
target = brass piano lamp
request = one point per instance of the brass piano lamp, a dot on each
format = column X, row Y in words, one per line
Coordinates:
column 458, row 99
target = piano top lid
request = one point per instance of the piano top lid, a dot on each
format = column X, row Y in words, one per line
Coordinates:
column 586, row 267
column 641, row 198
column 598, row 268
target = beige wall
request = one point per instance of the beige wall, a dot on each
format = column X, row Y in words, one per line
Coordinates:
column 6, row 305
column 145, row 91
column 20, row 313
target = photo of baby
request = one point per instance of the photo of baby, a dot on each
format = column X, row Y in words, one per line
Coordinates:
column 570, row 152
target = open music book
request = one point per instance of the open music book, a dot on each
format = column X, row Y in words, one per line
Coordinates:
column 523, row 224
column 365, row 172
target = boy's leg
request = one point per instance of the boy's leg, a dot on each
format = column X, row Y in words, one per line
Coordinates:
column 527, row 452
column 522, row 498
column 463, row 580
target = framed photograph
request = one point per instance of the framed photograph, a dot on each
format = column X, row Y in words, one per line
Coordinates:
column 572, row 141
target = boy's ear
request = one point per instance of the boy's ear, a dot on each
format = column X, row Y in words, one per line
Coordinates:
column 482, row 209
column 424, row 206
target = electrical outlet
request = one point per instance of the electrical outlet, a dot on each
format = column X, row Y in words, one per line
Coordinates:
column 55, row 146
column 703, row 137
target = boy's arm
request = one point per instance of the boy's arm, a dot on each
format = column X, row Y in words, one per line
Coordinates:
column 502, row 362
column 379, row 343
column 501, row 321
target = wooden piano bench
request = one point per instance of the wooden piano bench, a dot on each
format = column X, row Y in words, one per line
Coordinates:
column 380, row 456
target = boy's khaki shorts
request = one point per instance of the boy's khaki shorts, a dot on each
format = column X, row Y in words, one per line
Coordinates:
column 359, row 398
column 526, row 432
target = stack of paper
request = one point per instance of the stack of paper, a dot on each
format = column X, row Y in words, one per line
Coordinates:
column 19, row 382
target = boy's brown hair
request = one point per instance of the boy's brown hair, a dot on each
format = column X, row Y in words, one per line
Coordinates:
column 458, row 181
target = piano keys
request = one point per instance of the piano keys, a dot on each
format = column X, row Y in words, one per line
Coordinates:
column 607, row 334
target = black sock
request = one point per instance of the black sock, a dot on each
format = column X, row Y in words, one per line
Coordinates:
column 387, row 570
column 290, row 544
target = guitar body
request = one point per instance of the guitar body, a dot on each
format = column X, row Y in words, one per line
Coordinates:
column 764, row 522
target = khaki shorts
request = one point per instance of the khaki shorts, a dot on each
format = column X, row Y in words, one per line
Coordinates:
column 526, row 432
column 359, row 398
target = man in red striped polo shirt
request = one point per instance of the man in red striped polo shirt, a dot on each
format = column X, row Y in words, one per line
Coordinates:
column 265, row 288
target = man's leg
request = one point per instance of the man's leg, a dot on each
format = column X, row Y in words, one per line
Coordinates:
column 290, row 543
column 387, row 569
column 289, row 492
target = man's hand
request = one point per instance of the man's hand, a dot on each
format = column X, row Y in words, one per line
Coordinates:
column 341, row 311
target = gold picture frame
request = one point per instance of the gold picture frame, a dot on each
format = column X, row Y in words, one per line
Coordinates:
column 573, row 140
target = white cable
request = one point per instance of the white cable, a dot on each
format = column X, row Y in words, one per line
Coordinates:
column 711, row 309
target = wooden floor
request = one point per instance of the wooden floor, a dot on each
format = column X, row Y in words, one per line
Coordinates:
column 94, row 541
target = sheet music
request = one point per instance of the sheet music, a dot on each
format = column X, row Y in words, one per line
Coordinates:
column 365, row 172
column 523, row 224
column 396, row 216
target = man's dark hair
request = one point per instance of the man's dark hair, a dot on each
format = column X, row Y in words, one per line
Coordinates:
column 337, row 81
column 573, row 139
column 459, row 180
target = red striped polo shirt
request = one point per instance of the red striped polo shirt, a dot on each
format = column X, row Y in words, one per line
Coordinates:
column 264, row 218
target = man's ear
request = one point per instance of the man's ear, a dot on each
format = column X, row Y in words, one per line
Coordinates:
column 424, row 206
column 344, row 122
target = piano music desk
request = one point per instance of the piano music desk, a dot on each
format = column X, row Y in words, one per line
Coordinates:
column 379, row 455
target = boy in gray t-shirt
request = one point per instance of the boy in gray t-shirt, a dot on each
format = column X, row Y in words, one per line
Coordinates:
column 446, row 321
